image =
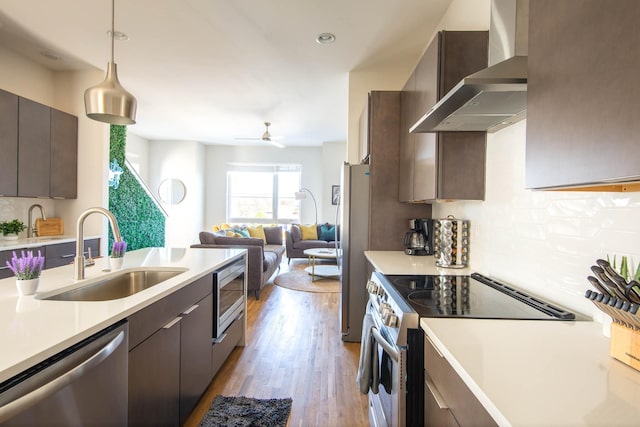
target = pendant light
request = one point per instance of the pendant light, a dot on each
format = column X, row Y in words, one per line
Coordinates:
column 109, row 102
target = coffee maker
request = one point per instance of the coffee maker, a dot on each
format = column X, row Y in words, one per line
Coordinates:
column 419, row 240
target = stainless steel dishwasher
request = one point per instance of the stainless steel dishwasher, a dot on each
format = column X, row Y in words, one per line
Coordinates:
column 84, row 385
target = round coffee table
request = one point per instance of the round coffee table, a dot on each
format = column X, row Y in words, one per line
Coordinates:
column 321, row 271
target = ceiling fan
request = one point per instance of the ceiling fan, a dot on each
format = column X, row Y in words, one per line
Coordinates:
column 266, row 137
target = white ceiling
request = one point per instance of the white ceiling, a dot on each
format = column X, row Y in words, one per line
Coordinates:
column 215, row 70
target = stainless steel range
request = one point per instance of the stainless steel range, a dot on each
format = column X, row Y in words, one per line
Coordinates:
column 391, row 368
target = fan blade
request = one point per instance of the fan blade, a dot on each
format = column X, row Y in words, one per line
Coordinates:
column 274, row 143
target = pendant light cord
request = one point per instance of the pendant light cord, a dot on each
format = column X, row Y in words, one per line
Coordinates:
column 113, row 35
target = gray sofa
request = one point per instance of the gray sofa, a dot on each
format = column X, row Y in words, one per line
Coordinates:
column 263, row 258
column 296, row 246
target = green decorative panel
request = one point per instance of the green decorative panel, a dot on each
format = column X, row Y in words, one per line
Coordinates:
column 141, row 222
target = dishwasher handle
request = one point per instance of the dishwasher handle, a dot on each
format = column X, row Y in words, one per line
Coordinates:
column 33, row 397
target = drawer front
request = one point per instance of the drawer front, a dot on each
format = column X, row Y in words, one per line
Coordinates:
column 64, row 253
column 462, row 403
column 436, row 412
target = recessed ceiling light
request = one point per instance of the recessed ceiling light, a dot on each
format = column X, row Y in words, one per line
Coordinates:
column 118, row 35
column 325, row 38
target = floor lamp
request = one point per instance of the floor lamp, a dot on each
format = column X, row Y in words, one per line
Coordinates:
column 300, row 195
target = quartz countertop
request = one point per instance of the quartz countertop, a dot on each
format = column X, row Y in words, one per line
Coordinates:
column 397, row 262
column 527, row 372
column 539, row 373
column 34, row 329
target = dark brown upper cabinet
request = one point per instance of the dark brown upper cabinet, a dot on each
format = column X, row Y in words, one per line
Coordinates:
column 8, row 144
column 442, row 165
column 39, row 150
column 34, row 130
column 582, row 95
column 64, row 155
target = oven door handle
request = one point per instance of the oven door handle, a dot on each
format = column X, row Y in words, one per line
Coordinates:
column 385, row 345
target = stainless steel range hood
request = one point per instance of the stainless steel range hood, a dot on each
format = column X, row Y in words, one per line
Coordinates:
column 495, row 97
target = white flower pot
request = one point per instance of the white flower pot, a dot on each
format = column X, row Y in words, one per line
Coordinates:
column 116, row 263
column 13, row 236
column 27, row 287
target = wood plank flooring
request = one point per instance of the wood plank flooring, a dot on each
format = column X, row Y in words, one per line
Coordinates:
column 294, row 349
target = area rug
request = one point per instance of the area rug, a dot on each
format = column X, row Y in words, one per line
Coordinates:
column 299, row 280
column 246, row 411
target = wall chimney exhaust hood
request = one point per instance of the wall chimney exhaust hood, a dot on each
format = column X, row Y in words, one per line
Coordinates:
column 495, row 97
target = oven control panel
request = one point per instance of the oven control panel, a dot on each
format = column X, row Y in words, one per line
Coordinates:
column 380, row 301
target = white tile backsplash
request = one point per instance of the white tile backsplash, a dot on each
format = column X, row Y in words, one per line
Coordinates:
column 543, row 241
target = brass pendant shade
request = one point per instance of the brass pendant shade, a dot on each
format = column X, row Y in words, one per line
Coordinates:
column 109, row 102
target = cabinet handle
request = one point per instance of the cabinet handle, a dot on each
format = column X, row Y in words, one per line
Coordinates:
column 434, row 346
column 219, row 340
column 435, row 393
column 4, row 268
column 172, row 323
column 190, row 309
column 67, row 256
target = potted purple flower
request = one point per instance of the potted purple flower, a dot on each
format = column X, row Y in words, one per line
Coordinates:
column 117, row 254
column 27, row 270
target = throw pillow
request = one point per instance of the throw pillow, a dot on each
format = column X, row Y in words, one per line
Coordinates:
column 273, row 235
column 215, row 228
column 225, row 227
column 328, row 232
column 241, row 231
column 296, row 235
column 257, row 231
column 230, row 233
column 309, row 232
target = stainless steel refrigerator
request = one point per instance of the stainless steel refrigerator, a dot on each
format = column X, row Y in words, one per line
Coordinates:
column 354, row 240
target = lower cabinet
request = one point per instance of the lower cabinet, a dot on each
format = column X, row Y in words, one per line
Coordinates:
column 61, row 254
column 170, row 355
column 448, row 401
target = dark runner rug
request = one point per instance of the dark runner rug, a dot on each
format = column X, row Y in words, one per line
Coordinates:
column 247, row 412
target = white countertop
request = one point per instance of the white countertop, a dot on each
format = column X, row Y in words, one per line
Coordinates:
column 397, row 262
column 32, row 330
column 540, row 373
column 529, row 373
column 33, row 242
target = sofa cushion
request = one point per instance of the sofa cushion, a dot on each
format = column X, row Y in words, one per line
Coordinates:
column 327, row 232
column 258, row 232
column 277, row 249
column 207, row 238
column 273, row 235
column 270, row 258
column 295, row 232
column 312, row 244
column 309, row 232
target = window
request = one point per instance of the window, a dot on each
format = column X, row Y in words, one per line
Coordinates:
column 263, row 193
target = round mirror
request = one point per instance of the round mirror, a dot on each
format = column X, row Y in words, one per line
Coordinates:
column 172, row 191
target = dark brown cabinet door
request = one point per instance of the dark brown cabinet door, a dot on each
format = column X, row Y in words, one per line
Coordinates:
column 446, row 165
column 154, row 378
column 64, row 155
column 34, row 123
column 582, row 92
column 61, row 254
column 195, row 354
column 407, row 141
column 8, row 144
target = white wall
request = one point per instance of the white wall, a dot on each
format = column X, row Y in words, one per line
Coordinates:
column 184, row 160
column 137, row 152
column 320, row 169
column 64, row 91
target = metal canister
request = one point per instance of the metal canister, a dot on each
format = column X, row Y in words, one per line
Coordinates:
column 451, row 242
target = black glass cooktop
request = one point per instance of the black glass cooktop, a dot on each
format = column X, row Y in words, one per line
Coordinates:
column 473, row 296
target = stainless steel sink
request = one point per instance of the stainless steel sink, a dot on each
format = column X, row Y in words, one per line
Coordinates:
column 121, row 285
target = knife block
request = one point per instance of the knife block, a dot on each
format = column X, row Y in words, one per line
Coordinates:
column 625, row 345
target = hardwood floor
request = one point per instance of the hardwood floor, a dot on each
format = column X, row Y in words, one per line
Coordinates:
column 294, row 349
